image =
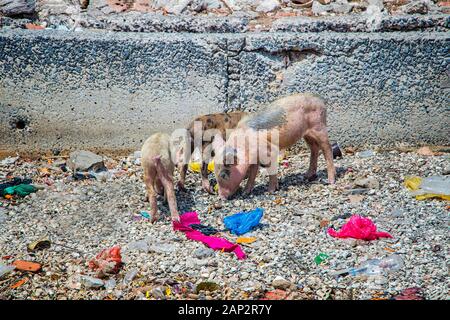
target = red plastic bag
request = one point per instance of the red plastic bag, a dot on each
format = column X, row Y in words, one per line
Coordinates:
column 107, row 261
column 359, row 228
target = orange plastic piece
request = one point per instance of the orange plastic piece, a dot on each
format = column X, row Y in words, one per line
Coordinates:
column 27, row 265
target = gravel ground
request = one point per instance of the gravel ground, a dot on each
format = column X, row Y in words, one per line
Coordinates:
column 83, row 217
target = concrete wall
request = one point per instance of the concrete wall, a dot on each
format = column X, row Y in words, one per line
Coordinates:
column 99, row 89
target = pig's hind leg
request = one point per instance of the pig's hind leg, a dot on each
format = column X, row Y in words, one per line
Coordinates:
column 169, row 193
column 149, row 180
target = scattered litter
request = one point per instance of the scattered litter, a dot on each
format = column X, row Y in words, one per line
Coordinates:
column 82, row 176
column 337, row 153
column 321, row 257
column 275, row 295
column 107, row 261
column 410, row 294
column 91, row 282
column 359, row 228
column 13, row 182
column 430, row 187
column 8, row 161
column 21, row 190
column 215, row 243
column 197, row 167
column 207, row 286
column 32, row 26
column 145, row 214
column 4, row 269
column 110, row 284
column 374, row 267
column 23, row 265
column 39, row 245
column 243, row 222
column 245, row 240
column 206, row 230
column 19, row 283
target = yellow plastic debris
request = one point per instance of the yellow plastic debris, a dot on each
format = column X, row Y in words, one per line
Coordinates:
column 245, row 240
column 168, row 292
column 414, row 183
column 197, row 166
column 216, row 188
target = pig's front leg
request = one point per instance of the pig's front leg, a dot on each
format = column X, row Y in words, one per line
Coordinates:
column 273, row 183
column 205, row 181
column 252, row 172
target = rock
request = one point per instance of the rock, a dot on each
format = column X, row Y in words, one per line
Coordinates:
column 207, row 286
column 340, row 6
column 425, row 151
column 280, row 283
column 85, row 161
column 16, row 7
column 91, row 282
column 130, row 276
column 417, row 7
column 267, row 5
column 177, row 8
column 141, row 245
column 162, row 247
column 370, row 183
column 374, row 12
column 3, row 216
column 365, row 154
column 203, row 253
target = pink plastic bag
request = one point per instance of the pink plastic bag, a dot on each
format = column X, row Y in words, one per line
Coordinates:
column 359, row 228
column 215, row 243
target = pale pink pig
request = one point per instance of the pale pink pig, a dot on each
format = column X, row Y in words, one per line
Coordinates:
column 258, row 138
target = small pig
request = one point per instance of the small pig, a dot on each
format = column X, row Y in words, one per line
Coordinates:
column 158, row 168
column 219, row 121
column 279, row 126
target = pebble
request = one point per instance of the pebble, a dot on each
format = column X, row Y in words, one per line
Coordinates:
column 280, row 283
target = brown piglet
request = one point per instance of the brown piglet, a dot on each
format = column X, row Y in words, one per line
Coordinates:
column 218, row 123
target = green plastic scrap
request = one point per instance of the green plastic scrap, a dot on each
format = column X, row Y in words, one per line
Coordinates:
column 321, row 257
column 21, row 190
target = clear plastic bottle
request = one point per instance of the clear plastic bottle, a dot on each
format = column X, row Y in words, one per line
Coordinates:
column 375, row 267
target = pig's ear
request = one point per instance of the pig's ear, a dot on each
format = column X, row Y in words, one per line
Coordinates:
column 230, row 155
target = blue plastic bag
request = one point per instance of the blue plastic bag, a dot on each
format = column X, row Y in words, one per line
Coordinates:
column 243, row 222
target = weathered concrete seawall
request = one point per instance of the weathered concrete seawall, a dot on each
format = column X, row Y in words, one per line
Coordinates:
column 99, row 89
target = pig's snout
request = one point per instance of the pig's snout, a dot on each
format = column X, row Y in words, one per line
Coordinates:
column 223, row 195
